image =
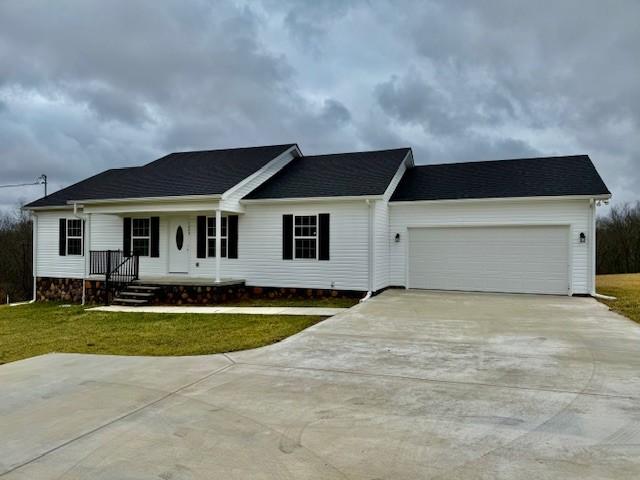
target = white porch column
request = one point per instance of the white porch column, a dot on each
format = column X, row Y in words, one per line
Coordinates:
column 87, row 245
column 86, row 250
column 218, row 242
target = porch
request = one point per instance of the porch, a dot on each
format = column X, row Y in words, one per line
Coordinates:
column 188, row 281
column 167, row 244
column 119, row 271
column 164, row 246
column 185, row 280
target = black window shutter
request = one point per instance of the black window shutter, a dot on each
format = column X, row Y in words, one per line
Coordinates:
column 232, row 236
column 202, row 236
column 323, row 236
column 84, row 240
column 287, row 237
column 155, row 237
column 62, row 239
column 126, row 237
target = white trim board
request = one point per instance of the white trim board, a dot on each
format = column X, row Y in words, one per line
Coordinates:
column 499, row 199
column 361, row 198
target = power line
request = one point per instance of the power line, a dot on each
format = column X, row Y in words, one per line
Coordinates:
column 41, row 180
column 19, row 185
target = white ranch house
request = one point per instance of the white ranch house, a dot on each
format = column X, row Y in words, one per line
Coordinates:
column 362, row 221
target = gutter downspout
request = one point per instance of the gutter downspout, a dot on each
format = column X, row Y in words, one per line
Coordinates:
column 592, row 244
column 34, row 253
column 369, row 253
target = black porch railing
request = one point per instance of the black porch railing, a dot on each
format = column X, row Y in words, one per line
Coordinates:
column 118, row 269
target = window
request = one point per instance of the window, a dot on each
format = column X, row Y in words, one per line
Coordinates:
column 305, row 236
column 211, row 237
column 140, row 236
column 74, row 237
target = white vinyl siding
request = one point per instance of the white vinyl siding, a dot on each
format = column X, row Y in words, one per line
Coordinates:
column 107, row 234
column 382, row 239
column 260, row 260
column 381, row 245
column 49, row 263
column 574, row 213
column 518, row 259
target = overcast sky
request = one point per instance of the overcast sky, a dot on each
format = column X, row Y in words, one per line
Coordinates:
column 90, row 85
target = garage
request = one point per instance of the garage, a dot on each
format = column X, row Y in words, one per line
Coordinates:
column 513, row 259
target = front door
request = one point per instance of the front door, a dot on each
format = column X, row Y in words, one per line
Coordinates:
column 179, row 245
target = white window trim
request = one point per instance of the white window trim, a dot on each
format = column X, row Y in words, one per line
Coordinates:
column 305, row 237
column 141, row 237
column 222, row 237
column 69, row 237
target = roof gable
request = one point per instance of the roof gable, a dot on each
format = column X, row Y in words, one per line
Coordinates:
column 207, row 172
column 525, row 177
column 335, row 175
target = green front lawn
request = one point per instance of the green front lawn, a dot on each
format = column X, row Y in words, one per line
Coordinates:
column 626, row 289
column 29, row 330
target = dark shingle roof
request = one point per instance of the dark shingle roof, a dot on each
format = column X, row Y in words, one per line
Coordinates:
column 336, row 175
column 207, row 172
column 526, row 177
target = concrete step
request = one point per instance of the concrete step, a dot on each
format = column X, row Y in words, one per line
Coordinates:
column 127, row 293
column 145, row 288
column 129, row 301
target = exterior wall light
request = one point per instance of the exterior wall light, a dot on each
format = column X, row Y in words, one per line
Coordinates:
column 397, row 239
column 583, row 237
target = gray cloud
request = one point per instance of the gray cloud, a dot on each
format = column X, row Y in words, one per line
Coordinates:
column 86, row 86
column 335, row 113
column 308, row 23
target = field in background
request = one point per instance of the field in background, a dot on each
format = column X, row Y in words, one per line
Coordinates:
column 626, row 289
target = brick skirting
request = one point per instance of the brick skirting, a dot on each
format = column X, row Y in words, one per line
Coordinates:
column 210, row 295
column 70, row 290
column 50, row 289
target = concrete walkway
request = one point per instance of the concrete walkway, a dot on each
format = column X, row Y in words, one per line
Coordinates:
column 408, row 385
column 320, row 311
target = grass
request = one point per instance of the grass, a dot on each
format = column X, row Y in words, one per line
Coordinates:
column 29, row 330
column 626, row 289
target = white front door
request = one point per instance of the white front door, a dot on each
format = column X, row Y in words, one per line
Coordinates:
column 179, row 245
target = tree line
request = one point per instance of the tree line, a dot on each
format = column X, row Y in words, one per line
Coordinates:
column 618, row 240
column 16, row 280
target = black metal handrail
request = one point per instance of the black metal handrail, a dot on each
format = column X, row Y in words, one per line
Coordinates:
column 115, row 266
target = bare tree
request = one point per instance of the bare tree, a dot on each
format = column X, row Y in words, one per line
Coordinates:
column 15, row 255
column 618, row 240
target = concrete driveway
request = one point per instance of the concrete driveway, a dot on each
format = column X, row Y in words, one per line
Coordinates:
column 409, row 385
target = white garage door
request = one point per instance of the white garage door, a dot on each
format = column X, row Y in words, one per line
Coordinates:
column 490, row 259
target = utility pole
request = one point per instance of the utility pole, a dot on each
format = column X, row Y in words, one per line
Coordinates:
column 43, row 180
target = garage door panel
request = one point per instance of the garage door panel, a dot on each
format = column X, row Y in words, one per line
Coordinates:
column 500, row 259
